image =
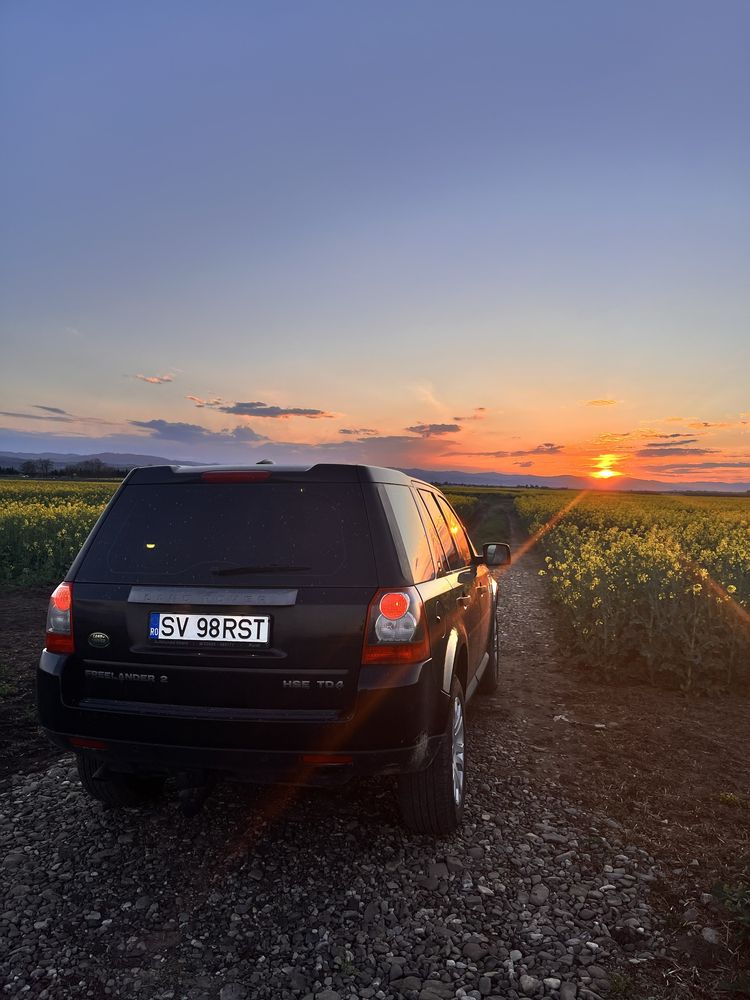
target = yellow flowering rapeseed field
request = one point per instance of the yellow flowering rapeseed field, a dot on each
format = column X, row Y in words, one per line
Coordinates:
column 43, row 525
column 655, row 586
column 464, row 502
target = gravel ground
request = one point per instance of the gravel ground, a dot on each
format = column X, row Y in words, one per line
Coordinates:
column 282, row 893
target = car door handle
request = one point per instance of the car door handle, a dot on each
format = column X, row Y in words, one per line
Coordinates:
column 463, row 601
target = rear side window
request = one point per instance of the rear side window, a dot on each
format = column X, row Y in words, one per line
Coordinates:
column 203, row 534
column 447, row 538
column 403, row 515
column 438, row 554
column 456, row 529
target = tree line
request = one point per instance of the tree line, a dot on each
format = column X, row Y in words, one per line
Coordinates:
column 44, row 468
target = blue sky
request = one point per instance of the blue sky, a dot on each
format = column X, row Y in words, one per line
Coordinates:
column 392, row 214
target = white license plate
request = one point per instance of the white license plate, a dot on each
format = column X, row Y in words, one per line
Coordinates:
column 209, row 628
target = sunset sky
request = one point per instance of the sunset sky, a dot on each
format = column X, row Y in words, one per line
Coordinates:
column 488, row 236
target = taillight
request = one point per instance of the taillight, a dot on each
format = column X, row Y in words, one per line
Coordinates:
column 396, row 629
column 60, row 620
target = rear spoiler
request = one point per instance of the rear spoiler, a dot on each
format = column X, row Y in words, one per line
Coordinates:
column 321, row 473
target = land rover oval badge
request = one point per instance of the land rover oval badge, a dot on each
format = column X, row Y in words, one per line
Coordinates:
column 98, row 639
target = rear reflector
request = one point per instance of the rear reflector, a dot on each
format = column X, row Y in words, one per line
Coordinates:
column 323, row 759
column 234, row 477
column 82, row 743
column 394, row 655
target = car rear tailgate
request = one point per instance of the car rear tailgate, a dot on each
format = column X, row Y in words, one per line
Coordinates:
column 311, row 661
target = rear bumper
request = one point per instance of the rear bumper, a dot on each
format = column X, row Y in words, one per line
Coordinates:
column 398, row 720
column 282, row 767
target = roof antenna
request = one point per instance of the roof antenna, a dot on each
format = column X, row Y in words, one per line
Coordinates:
column 265, row 461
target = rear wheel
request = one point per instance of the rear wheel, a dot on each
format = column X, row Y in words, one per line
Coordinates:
column 114, row 789
column 491, row 676
column 432, row 801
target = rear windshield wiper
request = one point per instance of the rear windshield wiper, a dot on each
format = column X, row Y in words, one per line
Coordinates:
column 239, row 570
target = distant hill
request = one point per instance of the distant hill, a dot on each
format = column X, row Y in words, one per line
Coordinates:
column 127, row 460
column 572, row 482
column 60, row 460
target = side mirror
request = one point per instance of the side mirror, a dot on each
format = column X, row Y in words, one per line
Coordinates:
column 496, row 554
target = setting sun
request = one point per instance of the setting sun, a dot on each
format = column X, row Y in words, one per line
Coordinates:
column 605, row 474
column 604, row 468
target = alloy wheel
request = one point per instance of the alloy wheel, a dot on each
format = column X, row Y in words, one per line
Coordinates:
column 458, row 752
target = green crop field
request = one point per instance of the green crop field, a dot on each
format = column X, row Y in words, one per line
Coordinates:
column 43, row 525
column 650, row 585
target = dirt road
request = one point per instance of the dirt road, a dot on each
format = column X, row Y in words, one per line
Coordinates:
column 550, row 889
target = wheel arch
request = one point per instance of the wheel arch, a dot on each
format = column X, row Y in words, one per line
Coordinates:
column 456, row 663
column 461, row 669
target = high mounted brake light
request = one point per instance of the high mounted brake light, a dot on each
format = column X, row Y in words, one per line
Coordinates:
column 234, row 477
column 60, row 620
column 396, row 629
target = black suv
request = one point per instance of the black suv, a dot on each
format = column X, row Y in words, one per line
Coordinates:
column 271, row 623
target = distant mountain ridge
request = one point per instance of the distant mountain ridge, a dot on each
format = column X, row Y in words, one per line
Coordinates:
column 572, row 482
column 128, row 460
column 59, row 460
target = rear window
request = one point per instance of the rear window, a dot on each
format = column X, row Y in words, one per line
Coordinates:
column 203, row 534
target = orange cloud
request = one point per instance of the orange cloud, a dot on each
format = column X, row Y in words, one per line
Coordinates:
column 602, row 402
column 480, row 412
column 258, row 409
column 200, row 402
column 431, row 430
column 701, row 425
column 613, row 437
column 155, row 379
column 548, row 448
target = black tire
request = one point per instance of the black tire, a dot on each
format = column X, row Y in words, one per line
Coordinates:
column 119, row 790
column 426, row 798
column 491, row 677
